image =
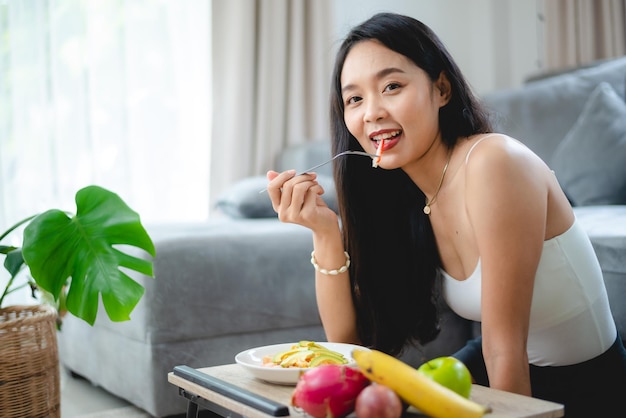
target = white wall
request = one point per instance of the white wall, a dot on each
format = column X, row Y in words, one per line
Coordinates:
column 494, row 42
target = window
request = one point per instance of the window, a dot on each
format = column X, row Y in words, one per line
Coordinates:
column 108, row 92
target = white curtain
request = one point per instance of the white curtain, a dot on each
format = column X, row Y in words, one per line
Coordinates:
column 271, row 72
column 578, row 32
column 108, row 92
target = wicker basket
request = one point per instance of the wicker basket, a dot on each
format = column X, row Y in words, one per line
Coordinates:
column 29, row 362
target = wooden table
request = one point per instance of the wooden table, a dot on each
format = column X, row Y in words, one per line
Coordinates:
column 503, row 404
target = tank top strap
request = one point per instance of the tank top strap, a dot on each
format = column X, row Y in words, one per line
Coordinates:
column 476, row 143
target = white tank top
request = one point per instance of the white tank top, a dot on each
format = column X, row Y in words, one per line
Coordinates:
column 570, row 319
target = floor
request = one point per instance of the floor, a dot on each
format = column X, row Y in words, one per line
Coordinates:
column 81, row 399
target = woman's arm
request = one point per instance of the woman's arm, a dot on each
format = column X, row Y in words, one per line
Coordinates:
column 334, row 297
column 507, row 199
column 297, row 200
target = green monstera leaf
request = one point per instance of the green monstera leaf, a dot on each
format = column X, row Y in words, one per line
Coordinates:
column 83, row 252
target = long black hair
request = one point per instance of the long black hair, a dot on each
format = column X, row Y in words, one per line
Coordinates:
column 394, row 257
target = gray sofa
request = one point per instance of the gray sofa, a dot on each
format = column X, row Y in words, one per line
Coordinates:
column 244, row 279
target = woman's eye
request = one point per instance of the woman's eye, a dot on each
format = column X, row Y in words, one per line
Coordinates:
column 392, row 86
column 353, row 100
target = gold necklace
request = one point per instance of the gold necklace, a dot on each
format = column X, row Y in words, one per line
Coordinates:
column 443, row 174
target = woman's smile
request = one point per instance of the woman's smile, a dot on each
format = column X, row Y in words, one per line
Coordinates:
column 389, row 136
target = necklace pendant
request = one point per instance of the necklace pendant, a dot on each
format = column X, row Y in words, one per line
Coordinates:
column 428, row 202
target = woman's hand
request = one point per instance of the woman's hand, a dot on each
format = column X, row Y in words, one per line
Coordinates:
column 297, row 199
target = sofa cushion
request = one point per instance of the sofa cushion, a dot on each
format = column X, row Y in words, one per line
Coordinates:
column 245, row 199
column 590, row 162
column 540, row 113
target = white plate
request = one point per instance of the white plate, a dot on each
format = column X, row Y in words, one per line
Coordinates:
column 252, row 360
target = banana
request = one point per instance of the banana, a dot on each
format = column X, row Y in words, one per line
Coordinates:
column 430, row 397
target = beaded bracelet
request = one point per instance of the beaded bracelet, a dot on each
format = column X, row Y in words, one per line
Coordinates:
column 342, row 269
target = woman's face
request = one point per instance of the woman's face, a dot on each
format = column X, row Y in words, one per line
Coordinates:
column 386, row 96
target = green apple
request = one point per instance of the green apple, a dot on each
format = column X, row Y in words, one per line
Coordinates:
column 449, row 372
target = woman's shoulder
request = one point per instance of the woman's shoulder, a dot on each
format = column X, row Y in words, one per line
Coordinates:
column 497, row 163
column 491, row 142
column 495, row 151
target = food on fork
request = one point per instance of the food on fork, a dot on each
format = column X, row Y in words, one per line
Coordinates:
column 379, row 154
column 304, row 354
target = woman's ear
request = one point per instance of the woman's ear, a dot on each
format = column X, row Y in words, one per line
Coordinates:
column 442, row 86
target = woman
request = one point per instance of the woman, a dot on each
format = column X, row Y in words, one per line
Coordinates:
column 452, row 203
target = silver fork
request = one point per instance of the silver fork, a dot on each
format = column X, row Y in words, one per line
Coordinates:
column 365, row 154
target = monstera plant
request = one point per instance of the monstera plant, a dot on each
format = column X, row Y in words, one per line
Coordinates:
column 76, row 258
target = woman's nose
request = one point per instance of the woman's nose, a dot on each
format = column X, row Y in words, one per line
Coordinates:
column 374, row 111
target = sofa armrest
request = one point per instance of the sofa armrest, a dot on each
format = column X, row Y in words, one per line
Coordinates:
column 224, row 277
